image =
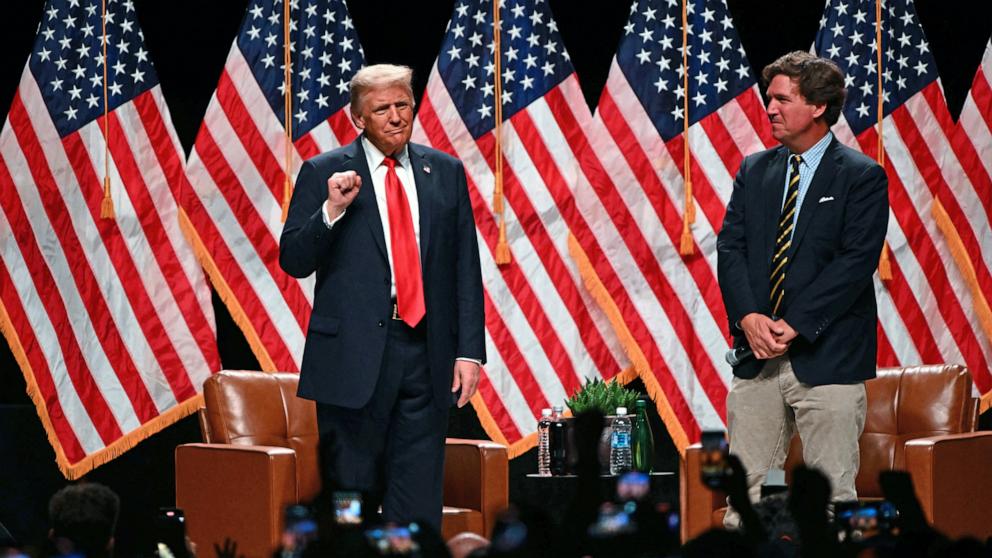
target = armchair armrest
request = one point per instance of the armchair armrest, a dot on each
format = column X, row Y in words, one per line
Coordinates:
column 697, row 502
column 235, row 491
column 950, row 475
column 475, row 477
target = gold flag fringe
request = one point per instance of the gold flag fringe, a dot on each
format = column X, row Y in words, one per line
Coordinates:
column 226, row 295
column 640, row 367
column 960, row 255
column 73, row 471
column 884, row 265
column 489, row 425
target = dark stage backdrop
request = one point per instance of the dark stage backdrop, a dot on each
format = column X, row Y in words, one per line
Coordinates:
column 188, row 41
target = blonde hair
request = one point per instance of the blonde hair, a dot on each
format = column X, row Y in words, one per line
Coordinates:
column 378, row 76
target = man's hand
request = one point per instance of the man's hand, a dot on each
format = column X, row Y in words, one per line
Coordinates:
column 229, row 550
column 342, row 188
column 466, row 379
column 764, row 335
column 788, row 334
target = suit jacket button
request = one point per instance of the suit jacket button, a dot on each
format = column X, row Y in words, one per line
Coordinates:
column 380, row 324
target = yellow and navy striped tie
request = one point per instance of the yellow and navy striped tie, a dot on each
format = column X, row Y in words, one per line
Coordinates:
column 783, row 239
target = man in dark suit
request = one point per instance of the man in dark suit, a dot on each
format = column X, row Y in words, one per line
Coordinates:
column 799, row 245
column 396, row 333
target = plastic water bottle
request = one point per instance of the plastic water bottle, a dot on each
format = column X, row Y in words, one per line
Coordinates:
column 543, row 443
column 557, row 442
column 620, row 458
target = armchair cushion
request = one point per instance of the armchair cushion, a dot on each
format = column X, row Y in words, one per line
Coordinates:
column 950, row 475
column 234, row 491
column 261, row 455
column 246, row 408
column 920, row 419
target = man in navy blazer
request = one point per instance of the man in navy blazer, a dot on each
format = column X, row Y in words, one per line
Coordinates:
column 383, row 362
column 800, row 242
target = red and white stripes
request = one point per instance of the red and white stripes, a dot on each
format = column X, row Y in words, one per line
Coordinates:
column 670, row 304
column 971, row 143
column 545, row 334
column 236, row 175
column 111, row 319
column 927, row 312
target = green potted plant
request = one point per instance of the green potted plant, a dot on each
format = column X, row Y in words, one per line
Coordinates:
column 605, row 397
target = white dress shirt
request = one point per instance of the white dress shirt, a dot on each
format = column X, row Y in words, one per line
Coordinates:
column 375, row 159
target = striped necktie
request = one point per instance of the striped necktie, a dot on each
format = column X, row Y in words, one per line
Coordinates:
column 783, row 238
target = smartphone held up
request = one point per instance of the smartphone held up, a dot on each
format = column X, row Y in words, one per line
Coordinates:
column 714, row 467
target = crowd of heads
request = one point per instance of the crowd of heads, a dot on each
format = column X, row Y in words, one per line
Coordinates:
column 626, row 522
column 797, row 521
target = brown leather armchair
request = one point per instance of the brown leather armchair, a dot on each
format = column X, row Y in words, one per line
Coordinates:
column 921, row 419
column 260, row 455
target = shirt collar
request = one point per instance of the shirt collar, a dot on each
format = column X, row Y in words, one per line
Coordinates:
column 374, row 157
column 811, row 157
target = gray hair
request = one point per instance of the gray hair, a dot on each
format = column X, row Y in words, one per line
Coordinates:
column 378, row 76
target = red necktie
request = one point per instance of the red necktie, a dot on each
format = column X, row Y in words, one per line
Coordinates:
column 406, row 256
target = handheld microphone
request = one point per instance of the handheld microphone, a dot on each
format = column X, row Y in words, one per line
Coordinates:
column 738, row 355
column 743, row 352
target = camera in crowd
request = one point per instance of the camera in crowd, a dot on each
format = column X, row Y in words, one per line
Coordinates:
column 860, row 521
column 714, row 467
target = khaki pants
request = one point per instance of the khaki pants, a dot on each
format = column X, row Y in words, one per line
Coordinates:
column 763, row 414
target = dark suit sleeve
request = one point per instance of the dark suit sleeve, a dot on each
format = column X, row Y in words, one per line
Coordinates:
column 305, row 238
column 731, row 246
column 832, row 294
column 471, row 310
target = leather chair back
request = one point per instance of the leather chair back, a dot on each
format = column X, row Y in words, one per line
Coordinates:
column 248, row 408
column 903, row 404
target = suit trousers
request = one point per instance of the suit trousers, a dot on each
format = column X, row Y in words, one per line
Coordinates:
column 391, row 450
column 763, row 413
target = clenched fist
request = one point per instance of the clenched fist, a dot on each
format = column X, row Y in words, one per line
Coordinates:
column 342, row 187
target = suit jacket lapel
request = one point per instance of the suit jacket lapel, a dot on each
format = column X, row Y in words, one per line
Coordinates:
column 821, row 181
column 773, row 186
column 426, row 182
column 366, row 195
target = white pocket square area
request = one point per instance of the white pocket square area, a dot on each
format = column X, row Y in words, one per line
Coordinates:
column 825, row 199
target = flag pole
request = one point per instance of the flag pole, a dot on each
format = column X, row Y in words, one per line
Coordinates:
column 884, row 264
column 107, row 204
column 287, row 188
column 502, row 255
column 689, row 214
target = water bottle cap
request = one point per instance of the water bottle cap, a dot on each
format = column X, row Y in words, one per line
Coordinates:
column 558, row 408
column 621, row 411
column 641, row 403
column 545, row 412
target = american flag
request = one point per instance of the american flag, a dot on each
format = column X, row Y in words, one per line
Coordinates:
column 669, row 303
column 927, row 312
column 544, row 332
column 238, row 165
column 972, row 143
column 110, row 319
